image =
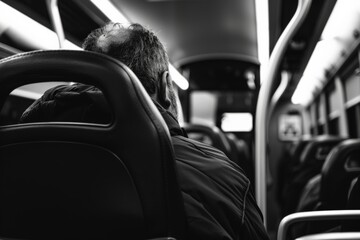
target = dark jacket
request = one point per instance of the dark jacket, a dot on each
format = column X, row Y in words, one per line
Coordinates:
column 218, row 198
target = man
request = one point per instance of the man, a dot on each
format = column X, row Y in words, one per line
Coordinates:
column 218, row 199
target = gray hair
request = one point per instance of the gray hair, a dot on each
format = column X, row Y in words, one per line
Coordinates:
column 135, row 46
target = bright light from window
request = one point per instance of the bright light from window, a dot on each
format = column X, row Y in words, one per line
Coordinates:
column 343, row 20
column 262, row 26
column 304, row 92
column 200, row 114
column 178, row 78
column 116, row 16
column 337, row 38
column 26, row 94
column 314, row 74
column 27, row 31
column 237, row 122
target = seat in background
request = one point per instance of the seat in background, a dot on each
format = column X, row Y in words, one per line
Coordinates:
column 289, row 161
column 353, row 203
column 242, row 155
column 235, row 149
column 340, row 168
column 211, row 135
column 310, row 163
column 81, row 180
column 330, row 189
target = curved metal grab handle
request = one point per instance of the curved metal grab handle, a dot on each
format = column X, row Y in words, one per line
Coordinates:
column 264, row 99
column 287, row 221
column 56, row 20
column 332, row 236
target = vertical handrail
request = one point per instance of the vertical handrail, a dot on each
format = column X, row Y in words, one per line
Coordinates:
column 264, row 99
column 284, row 82
column 56, row 20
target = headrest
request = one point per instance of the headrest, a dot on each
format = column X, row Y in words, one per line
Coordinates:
column 318, row 148
column 75, row 66
column 217, row 137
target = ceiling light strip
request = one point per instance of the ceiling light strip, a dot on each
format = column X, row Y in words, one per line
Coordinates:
column 262, row 27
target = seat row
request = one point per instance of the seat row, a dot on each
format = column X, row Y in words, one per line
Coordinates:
column 321, row 173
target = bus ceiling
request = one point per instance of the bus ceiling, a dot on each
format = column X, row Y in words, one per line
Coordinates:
column 219, row 30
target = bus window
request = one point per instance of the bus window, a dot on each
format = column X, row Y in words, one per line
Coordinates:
column 237, row 122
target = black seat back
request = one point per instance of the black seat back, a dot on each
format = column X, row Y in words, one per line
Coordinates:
column 215, row 136
column 317, row 149
column 288, row 163
column 80, row 180
column 329, row 190
column 296, row 149
column 353, row 203
column 313, row 157
column 340, row 168
column 241, row 155
column 310, row 163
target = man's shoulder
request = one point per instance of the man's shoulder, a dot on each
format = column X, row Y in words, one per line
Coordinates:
column 181, row 141
column 213, row 188
column 208, row 160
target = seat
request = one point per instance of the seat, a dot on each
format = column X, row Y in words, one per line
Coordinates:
column 318, row 149
column 288, row 162
column 310, row 163
column 241, row 155
column 87, row 180
column 235, row 149
column 209, row 134
column 339, row 170
column 353, row 203
column 329, row 190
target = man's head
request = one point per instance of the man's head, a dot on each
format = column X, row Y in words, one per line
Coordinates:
column 139, row 49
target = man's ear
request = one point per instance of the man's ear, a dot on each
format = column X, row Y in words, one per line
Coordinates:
column 164, row 90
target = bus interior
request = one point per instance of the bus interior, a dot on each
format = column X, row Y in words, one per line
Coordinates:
column 273, row 84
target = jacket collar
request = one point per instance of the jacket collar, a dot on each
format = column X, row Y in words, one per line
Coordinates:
column 170, row 121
